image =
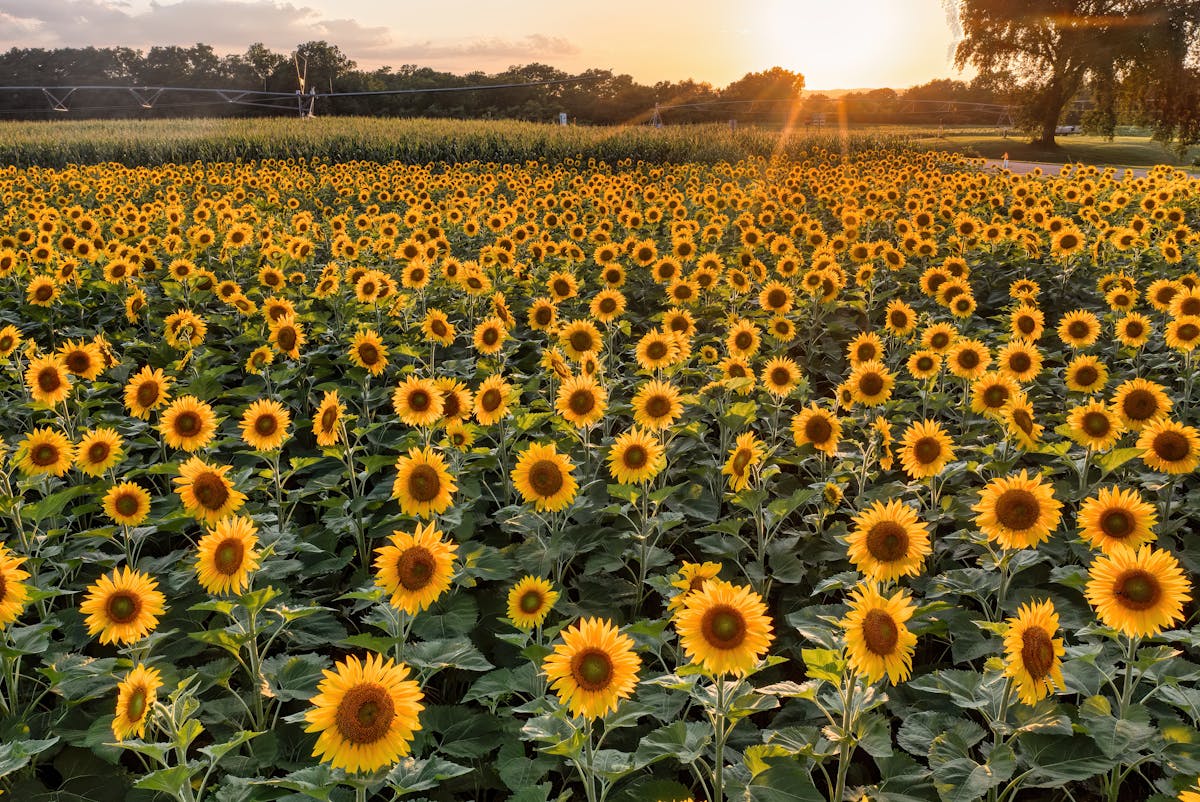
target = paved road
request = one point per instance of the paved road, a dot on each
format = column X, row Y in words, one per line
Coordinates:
column 1049, row 168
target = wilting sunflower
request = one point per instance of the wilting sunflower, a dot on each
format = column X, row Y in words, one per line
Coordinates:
column 1017, row 511
column 991, row 391
column 48, row 380
column 636, row 457
column 871, row 383
column 327, row 419
column 581, row 401
column 888, row 541
column 1093, row 425
column 780, row 376
column 1033, row 655
column 925, row 449
column 205, row 492
column 1079, row 329
column 1116, row 518
column 227, row 555
column 127, row 503
column 416, row 568
column 1140, row 592
column 656, row 405
column 817, row 427
column 45, row 451
column 968, row 359
column 365, row 714
column 724, row 628
column 136, row 695
column 1021, row 360
column 368, row 351
column 423, row 486
column 98, row 450
column 147, row 390
column 529, row 602
column 1138, row 402
column 14, row 593
column 543, row 477
column 746, row 453
column 491, row 400
column 593, row 668
column 188, row 423
column 878, row 642
column 1133, row 330
column 123, row 607
column 1170, row 447
column 418, row 402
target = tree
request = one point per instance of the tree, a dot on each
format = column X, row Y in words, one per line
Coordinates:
column 1053, row 47
column 773, row 93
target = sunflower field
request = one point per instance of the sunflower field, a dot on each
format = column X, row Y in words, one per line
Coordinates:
column 864, row 475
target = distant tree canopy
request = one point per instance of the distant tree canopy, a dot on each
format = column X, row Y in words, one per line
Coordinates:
column 1140, row 51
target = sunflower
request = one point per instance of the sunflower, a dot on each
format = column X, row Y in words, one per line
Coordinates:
column 900, row 319
column 1183, row 333
column 1086, row 374
column 1093, row 425
column 127, row 503
column 14, row 593
column 581, row 401
column 48, row 380
column 724, row 628
column 817, row 427
column 579, row 339
column 1140, row 592
column 968, row 359
column 328, row 418
column 924, row 364
column 1033, row 653
column 188, row 423
column 45, row 451
column 1027, row 323
column 287, row 335
column 655, row 350
column 147, row 390
column 746, row 453
column 865, row 347
column 368, row 351
column 529, row 602
column 636, row 457
column 490, row 335
column 593, row 668
column 1079, row 329
column 543, row 314
column 878, row 642
column 10, row 340
column 743, row 339
column 1192, row 794
column 82, row 359
column 437, row 327
column 418, row 401
column 1116, row 518
column 1133, row 330
column 123, row 607
column 491, row 400
column 226, row 556
column 457, row 399
column 365, row 714
column 136, row 695
column 1017, row 511
column 98, row 450
column 1021, row 360
column 1139, row 402
column 780, row 376
column 1019, row 422
column 416, row 568
column 991, row 391
column 939, row 337
column 205, row 492
column 543, row 476
column 776, row 297
column 423, row 486
column 871, row 383
column 656, row 405
column 888, row 541
column 1170, row 447
column 925, row 449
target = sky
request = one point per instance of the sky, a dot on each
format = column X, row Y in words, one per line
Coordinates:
column 833, row 43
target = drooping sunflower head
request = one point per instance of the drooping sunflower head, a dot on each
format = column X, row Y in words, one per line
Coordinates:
column 416, row 568
column 593, row 668
column 1140, row 592
column 724, row 628
column 1033, row 655
column 530, row 601
column 365, row 714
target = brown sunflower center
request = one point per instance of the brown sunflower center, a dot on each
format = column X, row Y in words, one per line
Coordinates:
column 635, row 456
column 43, row 454
column 44, row 292
column 79, row 361
column 1017, row 509
column 451, row 405
column 135, row 707
column 286, row 338
column 1134, row 329
column 607, row 306
column 546, row 478
column 818, row 430
column 542, row 316
column 880, row 633
column 210, row 490
column 1079, row 329
column 888, row 541
column 329, row 419
column 1026, row 325
column 723, row 627
column 582, row 401
column 562, row 287
column 581, row 341
column 187, row 423
column 968, row 359
column 415, row 568
column 658, row 406
column 368, row 354
column 49, row 379
column 696, row 583
column 419, row 400
column 939, row 340
column 927, row 450
column 741, row 460
column 592, row 669
column 1096, row 424
column 491, row 335
column 1136, row 589
column 1171, row 446
column 1037, row 652
column 531, row 602
column 98, row 452
column 776, row 298
column 898, row 319
column 657, row 349
column 127, row 504
column 490, row 400
column 365, row 713
column 1020, row 362
column 122, row 607
column 424, row 484
column 995, row 396
column 1116, row 523
column 865, row 352
column 781, row 377
column 743, row 340
column 228, row 555
column 266, row 425
column 1086, row 376
column 1140, row 405
column 870, row 384
column 1187, row 332
column 1021, row 418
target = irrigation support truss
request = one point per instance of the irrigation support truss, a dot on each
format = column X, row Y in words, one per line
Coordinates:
column 304, row 102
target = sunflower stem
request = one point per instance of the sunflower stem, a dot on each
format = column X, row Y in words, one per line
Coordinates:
column 255, row 668
column 719, row 736
column 585, row 766
column 1116, row 775
column 846, row 747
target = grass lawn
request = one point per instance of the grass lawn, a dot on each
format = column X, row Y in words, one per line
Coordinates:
column 1122, row 151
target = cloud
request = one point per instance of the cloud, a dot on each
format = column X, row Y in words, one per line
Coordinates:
column 230, row 26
